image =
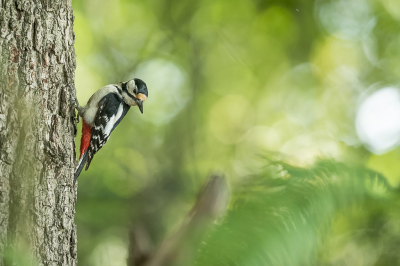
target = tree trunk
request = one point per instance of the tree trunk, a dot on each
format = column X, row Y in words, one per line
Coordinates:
column 37, row 154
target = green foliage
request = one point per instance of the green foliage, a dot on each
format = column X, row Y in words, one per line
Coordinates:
column 281, row 217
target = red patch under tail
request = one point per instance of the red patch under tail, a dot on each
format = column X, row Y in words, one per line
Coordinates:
column 85, row 139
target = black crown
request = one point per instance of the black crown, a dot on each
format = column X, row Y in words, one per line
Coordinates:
column 142, row 88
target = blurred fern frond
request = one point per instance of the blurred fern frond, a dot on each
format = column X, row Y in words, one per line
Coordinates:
column 281, row 216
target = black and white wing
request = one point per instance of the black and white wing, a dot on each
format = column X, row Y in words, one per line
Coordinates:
column 110, row 113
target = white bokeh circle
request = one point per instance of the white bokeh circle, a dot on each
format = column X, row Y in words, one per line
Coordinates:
column 167, row 91
column 378, row 120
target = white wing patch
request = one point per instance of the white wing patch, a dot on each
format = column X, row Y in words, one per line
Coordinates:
column 92, row 105
column 113, row 120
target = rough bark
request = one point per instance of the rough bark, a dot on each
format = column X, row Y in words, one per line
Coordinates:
column 37, row 62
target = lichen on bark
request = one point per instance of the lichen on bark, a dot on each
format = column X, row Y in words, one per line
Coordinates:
column 37, row 155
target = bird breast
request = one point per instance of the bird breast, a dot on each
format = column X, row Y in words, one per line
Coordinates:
column 90, row 110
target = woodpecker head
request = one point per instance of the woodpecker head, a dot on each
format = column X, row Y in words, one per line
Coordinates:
column 135, row 92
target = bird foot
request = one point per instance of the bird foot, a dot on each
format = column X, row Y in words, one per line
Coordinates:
column 75, row 105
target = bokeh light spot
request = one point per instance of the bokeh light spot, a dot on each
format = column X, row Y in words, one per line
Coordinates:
column 230, row 118
column 112, row 251
column 167, row 93
column 346, row 19
column 392, row 7
column 378, row 120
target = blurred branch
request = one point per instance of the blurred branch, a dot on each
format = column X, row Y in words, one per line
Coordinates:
column 175, row 249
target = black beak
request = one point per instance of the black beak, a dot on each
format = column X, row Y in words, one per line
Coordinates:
column 139, row 104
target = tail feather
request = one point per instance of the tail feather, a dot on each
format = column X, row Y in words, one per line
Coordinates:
column 81, row 163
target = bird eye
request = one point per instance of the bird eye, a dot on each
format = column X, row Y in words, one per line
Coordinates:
column 135, row 91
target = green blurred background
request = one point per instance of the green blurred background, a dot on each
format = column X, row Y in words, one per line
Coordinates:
column 230, row 80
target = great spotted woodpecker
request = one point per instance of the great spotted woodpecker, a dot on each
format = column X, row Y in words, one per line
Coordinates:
column 103, row 112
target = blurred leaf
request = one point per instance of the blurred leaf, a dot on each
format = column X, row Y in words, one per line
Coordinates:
column 281, row 216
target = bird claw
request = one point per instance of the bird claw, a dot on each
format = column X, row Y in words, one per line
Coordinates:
column 74, row 105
